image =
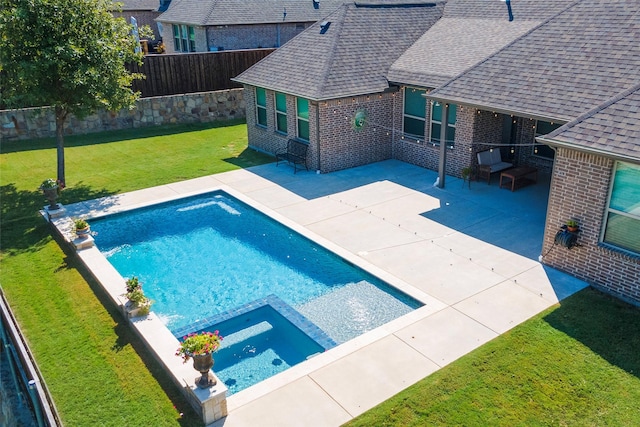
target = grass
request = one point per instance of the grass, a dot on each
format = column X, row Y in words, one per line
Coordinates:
column 95, row 368
column 577, row 364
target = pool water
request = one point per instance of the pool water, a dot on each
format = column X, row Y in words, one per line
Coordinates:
column 258, row 345
column 205, row 255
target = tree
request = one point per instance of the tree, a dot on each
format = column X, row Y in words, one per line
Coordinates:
column 68, row 54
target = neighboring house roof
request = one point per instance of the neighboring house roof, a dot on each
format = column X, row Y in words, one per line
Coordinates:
column 242, row 12
column 351, row 57
column 612, row 127
column 151, row 5
column 468, row 32
column 570, row 64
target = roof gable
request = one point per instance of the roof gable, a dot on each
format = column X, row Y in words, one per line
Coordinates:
column 612, row 127
column 568, row 64
column 131, row 5
column 351, row 57
column 469, row 32
column 244, row 12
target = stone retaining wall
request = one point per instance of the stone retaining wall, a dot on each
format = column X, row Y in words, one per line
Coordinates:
column 30, row 123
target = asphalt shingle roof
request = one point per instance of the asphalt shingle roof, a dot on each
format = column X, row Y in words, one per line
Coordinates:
column 140, row 4
column 352, row 57
column 612, row 127
column 469, row 32
column 566, row 66
column 242, row 12
column 452, row 46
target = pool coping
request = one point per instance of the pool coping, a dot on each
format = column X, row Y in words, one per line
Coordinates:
column 213, row 403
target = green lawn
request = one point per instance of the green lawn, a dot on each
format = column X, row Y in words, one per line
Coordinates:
column 577, row 364
column 97, row 372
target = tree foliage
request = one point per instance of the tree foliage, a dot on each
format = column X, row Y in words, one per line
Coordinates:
column 68, row 54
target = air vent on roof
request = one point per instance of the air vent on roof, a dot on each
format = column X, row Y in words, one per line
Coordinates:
column 316, row 4
column 324, row 26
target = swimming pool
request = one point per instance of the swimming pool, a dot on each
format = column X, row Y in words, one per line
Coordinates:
column 210, row 254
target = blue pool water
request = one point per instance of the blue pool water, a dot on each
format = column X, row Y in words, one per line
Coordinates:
column 205, row 255
column 259, row 344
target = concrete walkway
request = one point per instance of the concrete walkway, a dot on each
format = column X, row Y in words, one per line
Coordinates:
column 473, row 250
column 470, row 254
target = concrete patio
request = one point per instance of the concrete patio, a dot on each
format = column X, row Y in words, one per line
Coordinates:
column 470, row 254
column 474, row 250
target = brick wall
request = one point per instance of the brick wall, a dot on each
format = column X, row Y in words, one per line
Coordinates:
column 579, row 190
column 422, row 153
column 169, row 44
column 343, row 145
column 253, row 36
column 143, row 17
column 266, row 139
column 202, row 107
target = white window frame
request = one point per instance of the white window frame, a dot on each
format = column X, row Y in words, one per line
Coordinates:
column 423, row 118
column 450, row 125
column 611, row 210
column 261, row 107
column 302, row 119
column 280, row 112
column 182, row 41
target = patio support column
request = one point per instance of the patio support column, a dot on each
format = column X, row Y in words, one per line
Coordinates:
column 443, row 145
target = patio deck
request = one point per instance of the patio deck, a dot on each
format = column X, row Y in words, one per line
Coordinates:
column 471, row 252
column 475, row 250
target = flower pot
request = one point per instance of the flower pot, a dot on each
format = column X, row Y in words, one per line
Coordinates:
column 203, row 364
column 572, row 229
column 82, row 233
column 51, row 194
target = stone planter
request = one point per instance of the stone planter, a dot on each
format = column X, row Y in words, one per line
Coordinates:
column 51, row 194
column 203, row 364
column 83, row 233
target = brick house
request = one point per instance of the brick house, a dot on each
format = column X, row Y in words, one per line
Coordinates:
column 380, row 80
column 213, row 25
column 145, row 12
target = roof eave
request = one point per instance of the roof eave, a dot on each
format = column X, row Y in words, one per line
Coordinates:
column 591, row 150
column 390, row 89
column 494, row 109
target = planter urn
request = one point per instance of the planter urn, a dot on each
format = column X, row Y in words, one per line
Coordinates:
column 51, row 194
column 203, row 364
column 82, row 233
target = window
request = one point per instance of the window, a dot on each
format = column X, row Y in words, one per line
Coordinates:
column 436, row 123
column 184, row 38
column 302, row 115
column 542, row 150
column 281, row 112
column 415, row 107
column 622, row 227
column 261, row 107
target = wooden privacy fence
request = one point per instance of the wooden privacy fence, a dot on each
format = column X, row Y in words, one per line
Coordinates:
column 171, row 74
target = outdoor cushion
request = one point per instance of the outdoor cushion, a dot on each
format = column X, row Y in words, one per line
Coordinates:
column 493, row 159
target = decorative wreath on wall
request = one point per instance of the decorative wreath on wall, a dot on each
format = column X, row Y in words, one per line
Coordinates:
column 359, row 119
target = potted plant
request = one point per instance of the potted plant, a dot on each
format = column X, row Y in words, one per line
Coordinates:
column 572, row 225
column 200, row 347
column 81, row 227
column 139, row 303
column 466, row 175
column 51, row 190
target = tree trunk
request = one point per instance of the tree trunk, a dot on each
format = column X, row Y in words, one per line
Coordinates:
column 61, row 116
